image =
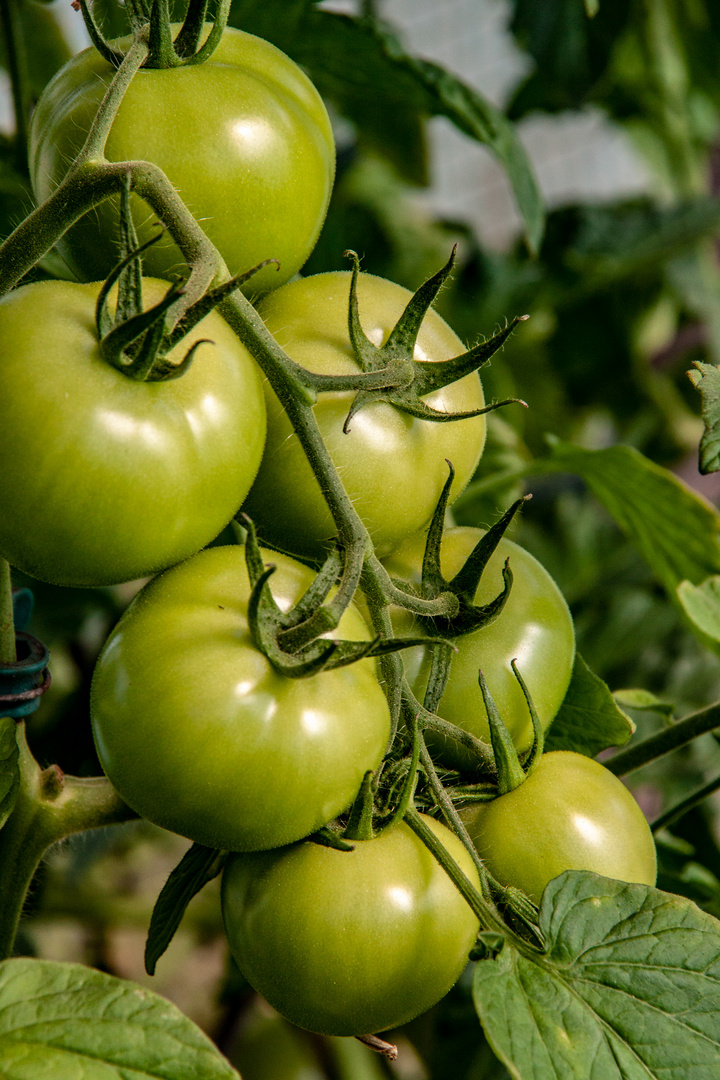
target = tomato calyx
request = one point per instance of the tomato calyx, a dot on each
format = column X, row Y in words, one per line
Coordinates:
column 154, row 20
column 404, row 381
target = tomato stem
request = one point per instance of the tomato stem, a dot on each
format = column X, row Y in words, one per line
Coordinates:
column 49, row 807
column 672, row 738
column 8, row 654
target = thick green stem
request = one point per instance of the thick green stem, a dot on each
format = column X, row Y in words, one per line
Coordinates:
column 7, row 625
column 48, row 808
column 94, row 146
column 671, row 738
column 684, row 807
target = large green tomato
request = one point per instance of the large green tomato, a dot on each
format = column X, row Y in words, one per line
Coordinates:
column 570, row 813
column 244, row 137
column 535, row 628
column 350, row 943
column 201, row 735
column 104, row 478
column 393, row 466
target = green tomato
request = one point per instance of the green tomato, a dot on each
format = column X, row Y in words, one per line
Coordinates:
column 244, row 137
column 393, row 466
column 349, row 943
column 201, row 735
column 104, row 478
column 570, row 813
column 535, row 628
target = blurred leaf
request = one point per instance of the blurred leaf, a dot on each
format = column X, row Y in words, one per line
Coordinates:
column 9, row 769
column 591, row 8
column 675, row 530
column 361, row 65
column 589, row 719
column 66, row 1022
column 643, row 701
column 198, row 866
column 706, row 378
column 628, row 988
column 702, row 604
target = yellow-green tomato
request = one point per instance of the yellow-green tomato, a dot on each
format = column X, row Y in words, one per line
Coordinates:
column 350, row 942
column 534, row 627
column 393, row 465
column 104, row 478
column 198, row 732
column 570, row 813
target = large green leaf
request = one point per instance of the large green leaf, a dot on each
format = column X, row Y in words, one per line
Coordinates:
column 675, row 530
column 68, row 1022
column 589, row 719
column 702, row 605
column 9, row 769
column 628, row 988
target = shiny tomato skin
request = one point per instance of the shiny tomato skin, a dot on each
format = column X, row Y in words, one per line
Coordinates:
column 393, row 466
column 105, row 478
column 535, row 628
column 571, row 813
column 244, row 137
column 349, row 943
column 199, row 734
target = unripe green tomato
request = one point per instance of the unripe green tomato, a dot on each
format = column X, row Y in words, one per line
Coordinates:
column 534, row 627
column 570, row 813
column 104, row 478
column 244, row 137
column 199, row 734
column 350, row 942
column 393, row 465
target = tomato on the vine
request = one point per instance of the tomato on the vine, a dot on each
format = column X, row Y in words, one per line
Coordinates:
column 570, row 813
column 534, row 627
column 201, row 735
column 244, row 137
column 104, row 478
column 393, row 465
column 350, row 942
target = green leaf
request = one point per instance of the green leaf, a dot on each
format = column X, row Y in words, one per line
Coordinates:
column 643, row 701
column 9, row 768
column 628, row 988
column 198, row 866
column 68, row 1022
column 675, row 530
column 706, row 379
column 591, row 8
column 589, row 719
column 702, row 604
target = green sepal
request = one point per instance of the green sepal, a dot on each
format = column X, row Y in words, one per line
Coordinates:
column 510, row 774
column 97, row 38
column 210, row 300
column 359, row 826
column 327, row 837
column 161, row 50
column 407, row 793
column 538, row 746
column 163, row 371
column 399, row 349
column 188, row 39
column 147, row 330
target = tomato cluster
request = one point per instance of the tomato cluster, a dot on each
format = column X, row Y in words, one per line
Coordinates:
column 209, row 717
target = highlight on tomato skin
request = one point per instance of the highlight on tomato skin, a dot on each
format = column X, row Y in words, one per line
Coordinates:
column 202, row 736
column 350, row 943
column 393, row 465
column 570, row 813
column 104, row 478
column 244, row 137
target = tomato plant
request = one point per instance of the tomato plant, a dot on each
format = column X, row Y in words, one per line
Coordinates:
column 392, row 465
column 534, row 627
column 202, row 736
column 348, row 943
column 570, row 813
column 105, row 478
column 244, row 137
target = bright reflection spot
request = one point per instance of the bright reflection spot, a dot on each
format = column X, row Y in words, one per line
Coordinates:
column 312, row 722
column 588, row 829
column 532, row 634
column 209, row 409
column 401, row 898
column 244, row 687
column 253, row 132
column 121, row 426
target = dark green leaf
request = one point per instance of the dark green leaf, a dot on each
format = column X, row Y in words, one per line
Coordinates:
column 674, row 529
column 706, row 378
column 702, row 605
column 628, row 989
column 198, row 866
column 69, row 1022
column 9, row 770
column 589, row 719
